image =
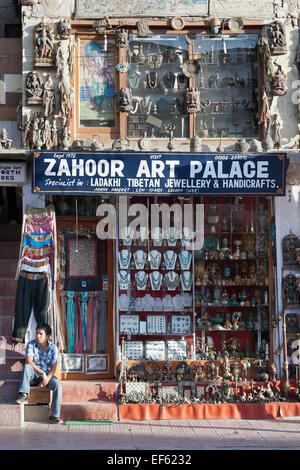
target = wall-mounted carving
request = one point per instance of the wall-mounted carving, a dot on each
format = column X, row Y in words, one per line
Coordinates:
column 34, row 88
column 122, row 37
column 124, row 100
column 277, row 38
column 279, row 83
column 49, row 96
column 43, row 45
column 64, row 29
column 192, row 101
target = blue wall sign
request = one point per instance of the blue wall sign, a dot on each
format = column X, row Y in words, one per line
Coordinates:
column 153, row 173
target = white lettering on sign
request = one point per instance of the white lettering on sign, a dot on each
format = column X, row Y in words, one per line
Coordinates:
column 81, row 167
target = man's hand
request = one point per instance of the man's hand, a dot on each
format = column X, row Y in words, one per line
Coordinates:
column 45, row 380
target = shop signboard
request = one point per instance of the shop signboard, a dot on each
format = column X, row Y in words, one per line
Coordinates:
column 12, row 173
column 159, row 173
column 252, row 9
column 115, row 8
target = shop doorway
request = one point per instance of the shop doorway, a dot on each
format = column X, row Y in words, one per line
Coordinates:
column 10, row 213
column 85, row 299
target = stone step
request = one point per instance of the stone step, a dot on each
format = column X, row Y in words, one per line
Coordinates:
column 36, row 413
column 9, row 390
column 11, row 368
column 8, row 268
column 89, row 391
column 9, row 250
column 84, row 411
column 11, row 414
column 11, row 349
column 8, row 286
column 7, row 305
column 6, row 324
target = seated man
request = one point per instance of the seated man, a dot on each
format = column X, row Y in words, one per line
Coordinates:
column 41, row 358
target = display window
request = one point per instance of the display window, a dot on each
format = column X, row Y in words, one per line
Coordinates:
column 196, row 292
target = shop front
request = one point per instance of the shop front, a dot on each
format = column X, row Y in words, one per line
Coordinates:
column 162, row 164
column 178, row 251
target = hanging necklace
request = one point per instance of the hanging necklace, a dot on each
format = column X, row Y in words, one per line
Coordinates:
column 156, row 280
column 152, row 79
column 157, row 236
column 185, row 258
column 186, row 280
column 126, row 236
column 134, row 106
column 155, row 258
column 141, row 279
column 140, row 257
column 170, row 259
column 171, row 280
column 123, row 280
column 172, row 237
column 123, row 302
column 134, row 78
column 124, row 258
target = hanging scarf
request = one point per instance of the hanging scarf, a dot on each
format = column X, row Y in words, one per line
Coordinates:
column 95, row 317
column 62, row 320
column 71, row 321
column 78, row 325
column 89, row 331
column 102, row 323
column 84, row 300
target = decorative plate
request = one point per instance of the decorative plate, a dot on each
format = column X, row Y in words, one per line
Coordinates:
column 177, row 23
column 191, row 68
column 144, row 143
column 235, row 24
column 211, row 243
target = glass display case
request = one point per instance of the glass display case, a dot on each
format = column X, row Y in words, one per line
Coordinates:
column 157, row 85
column 227, row 79
column 197, row 303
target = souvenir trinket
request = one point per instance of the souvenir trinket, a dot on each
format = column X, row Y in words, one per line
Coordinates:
column 143, row 28
column 192, row 101
column 212, row 217
column 64, row 29
column 213, row 80
column 177, row 23
column 124, row 100
column 122, row 38
column 190, row 68
column 235, row 24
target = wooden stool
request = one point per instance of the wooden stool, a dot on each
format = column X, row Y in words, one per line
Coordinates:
column 39, row 396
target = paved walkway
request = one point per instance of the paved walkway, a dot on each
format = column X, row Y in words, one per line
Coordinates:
column 157, row 435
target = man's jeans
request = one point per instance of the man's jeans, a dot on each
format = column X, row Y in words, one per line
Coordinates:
column 30, row 377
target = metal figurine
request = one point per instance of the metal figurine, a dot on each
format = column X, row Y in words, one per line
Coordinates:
column 99, row 26
column 213, row 80
column 192, row 101
column 277, row 38
column 124, row 102
column 64, row 29
column 122, row 38
column 143, row 28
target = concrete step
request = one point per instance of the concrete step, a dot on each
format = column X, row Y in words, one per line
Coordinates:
column 8, row 286
column 36, row 413
column 11, row 414
column 7, row 304
column 89, row 391
column 11, row 369
column 11, row 349
column 8, row 268
column 9, row 250
column 8, row 390
column 6, row 324
column 88, row 411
